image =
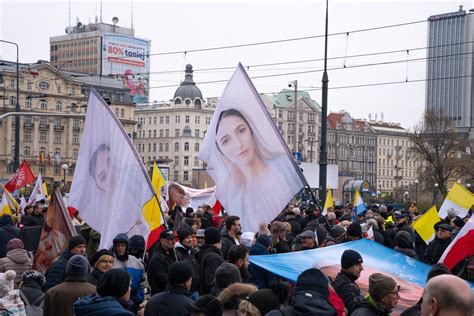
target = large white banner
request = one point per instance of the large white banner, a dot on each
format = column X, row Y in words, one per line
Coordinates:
column 110, row 184
column 252, row 167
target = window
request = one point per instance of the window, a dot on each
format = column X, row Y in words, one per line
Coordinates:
column 57, row 137
column 149, row 149
column 154, row 148
column 196, row 147
column 42, row 136
column 154, row 120
column 196, row 162
column 122, row 113
column 208, row 120
column 43, row 104
column 291, row 115
column 197, row 133
column 154, row 133
column 177, row 119
column 176, row 132
column 186, row 119
column 75, row 138
column 42, row 169
column 177, row 101
column 27, row 151
column 75, row 153
column 57, row 122
column 175, row 175
column 12, row 84
column 28, row 119
column 27, row 136
column 161, row 119
column 57, row 170
column 167, row 133
column 76, row 124
column 197, row 119
column 160, row 147
column 59, row 106
column 176, row 160
column 28, row 103
column 176, row 146
column 167, row 120
column 167, row 147
column 149, row 134
column 28, row 85
column 12, row 101
column 186, row 173
column 186, row 146
column 43, row 85
column 186, row 160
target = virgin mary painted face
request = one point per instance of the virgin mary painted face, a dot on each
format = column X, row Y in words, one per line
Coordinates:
column 235, row 140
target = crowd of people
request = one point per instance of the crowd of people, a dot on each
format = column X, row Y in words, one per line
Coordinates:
column 200, row 266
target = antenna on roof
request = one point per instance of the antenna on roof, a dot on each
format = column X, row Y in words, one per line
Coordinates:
column 131, row 13
column 376, row 117
column 100, row 11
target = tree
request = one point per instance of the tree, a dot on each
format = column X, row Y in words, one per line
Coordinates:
column 442, row 148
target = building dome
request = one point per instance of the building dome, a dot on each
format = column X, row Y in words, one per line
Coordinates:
column 188, row 88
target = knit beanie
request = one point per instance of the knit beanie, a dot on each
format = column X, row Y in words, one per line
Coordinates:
column 313, row 279
column 33, row 276
column 380, row 285
column 403, row 239
column 212, row 236
column 137, row 242
column 6, row 282
column 458, row 222
column 76, row 241
column 179, row 272
column 354, row 230
column 15, row 243
column 350, row 258
column 183, row 233
column 227, row 274
column 264, row 300
column 77, row 266
column 114, row 282
column 437, row 269
column 99, row 254
column 207, row 305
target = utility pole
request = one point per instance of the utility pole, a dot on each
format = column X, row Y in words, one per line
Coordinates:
column 295, row 139
column 323, row 155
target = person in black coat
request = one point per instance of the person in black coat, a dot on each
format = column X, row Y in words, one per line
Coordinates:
column 176, row 297
column 7, row 232
column 185, row 252
column 344, row 283
column 259, row 276
column 404, row 244
column 57, row 272
column 160, row 262
column 229, row 235
column 209, row 259
column 437, row 246
column 101, row 262
column 31, row 285
column 35, row 218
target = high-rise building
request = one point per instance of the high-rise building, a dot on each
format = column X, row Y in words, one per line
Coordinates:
column 451, row 46
column 105, row 50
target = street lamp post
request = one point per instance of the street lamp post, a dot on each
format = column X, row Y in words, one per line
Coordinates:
column 295, row 140
column 16, row 162
column 64, row 167
column 416, row 190
column 323, row 154
column 435, row 192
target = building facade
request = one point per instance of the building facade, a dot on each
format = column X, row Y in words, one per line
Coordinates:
column 352, row 144
column 451, row 43
column 48, row 142
column 308, row 120
column 105, row 50
column 397, row 162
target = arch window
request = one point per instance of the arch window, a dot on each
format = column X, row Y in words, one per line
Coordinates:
column 186, row 146
column 176, row 146
column 177, row 101
column 27, row 151
column 196, row 147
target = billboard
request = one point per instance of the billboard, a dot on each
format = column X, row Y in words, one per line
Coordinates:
column 128, row 58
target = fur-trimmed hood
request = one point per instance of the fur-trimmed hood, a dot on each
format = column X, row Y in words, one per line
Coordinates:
column 230, row 297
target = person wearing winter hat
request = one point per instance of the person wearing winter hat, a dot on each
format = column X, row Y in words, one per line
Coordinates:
column 31, row 286
column 10, row 301
column 259, row 303
column 308, row 240
column 57, row 272
column 137, row 246
column 259, row 276
column 209, row 258
column 7, row 232
column 206, row 305
column 404, row 244
column 112, row 298
column 17, row 259
column 226, row 274
column 185, row 252
column 101, row 262
column 174, row 300
column 382, row 297
column 457, row 224
column 134, row 267
column 311, row 296
column 344, row 283
column 354, row 232
column 200, row 237
column 160, row 262
column 437, row 246
column 60, row 298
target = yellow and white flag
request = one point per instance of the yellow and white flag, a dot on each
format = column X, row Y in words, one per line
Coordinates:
column 9, row 204
column 329, row 202
column 459, row 199
column 424, row 225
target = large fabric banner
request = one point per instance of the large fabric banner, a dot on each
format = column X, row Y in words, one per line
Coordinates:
column 110, row 185
column 253, row 169
column 409, row 273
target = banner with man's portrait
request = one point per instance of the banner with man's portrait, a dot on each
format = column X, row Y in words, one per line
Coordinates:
column 253, row 169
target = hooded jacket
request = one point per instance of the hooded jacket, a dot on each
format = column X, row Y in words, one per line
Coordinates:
column 96, row 305
column 260, row 277
column 18, row 260
column 231, row 296
column 209, row 259
column 158, row 268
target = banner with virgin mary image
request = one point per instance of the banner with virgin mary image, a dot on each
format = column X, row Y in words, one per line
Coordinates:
column 253, row 169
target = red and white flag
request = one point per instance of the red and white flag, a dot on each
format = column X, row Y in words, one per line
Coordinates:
column 22, row 176
column 461, row 247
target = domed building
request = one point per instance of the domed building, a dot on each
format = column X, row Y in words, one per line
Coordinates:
column 188, row 93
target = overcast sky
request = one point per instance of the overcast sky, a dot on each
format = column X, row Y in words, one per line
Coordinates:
column 187, row 25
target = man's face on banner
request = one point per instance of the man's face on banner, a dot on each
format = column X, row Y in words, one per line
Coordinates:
column 178, row 196
column 235, row 140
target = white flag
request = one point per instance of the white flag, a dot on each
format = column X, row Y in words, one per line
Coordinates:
column 23, row 203
column 254, row 171
column 110, row 184
column 38, row 191
column 370, row 233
